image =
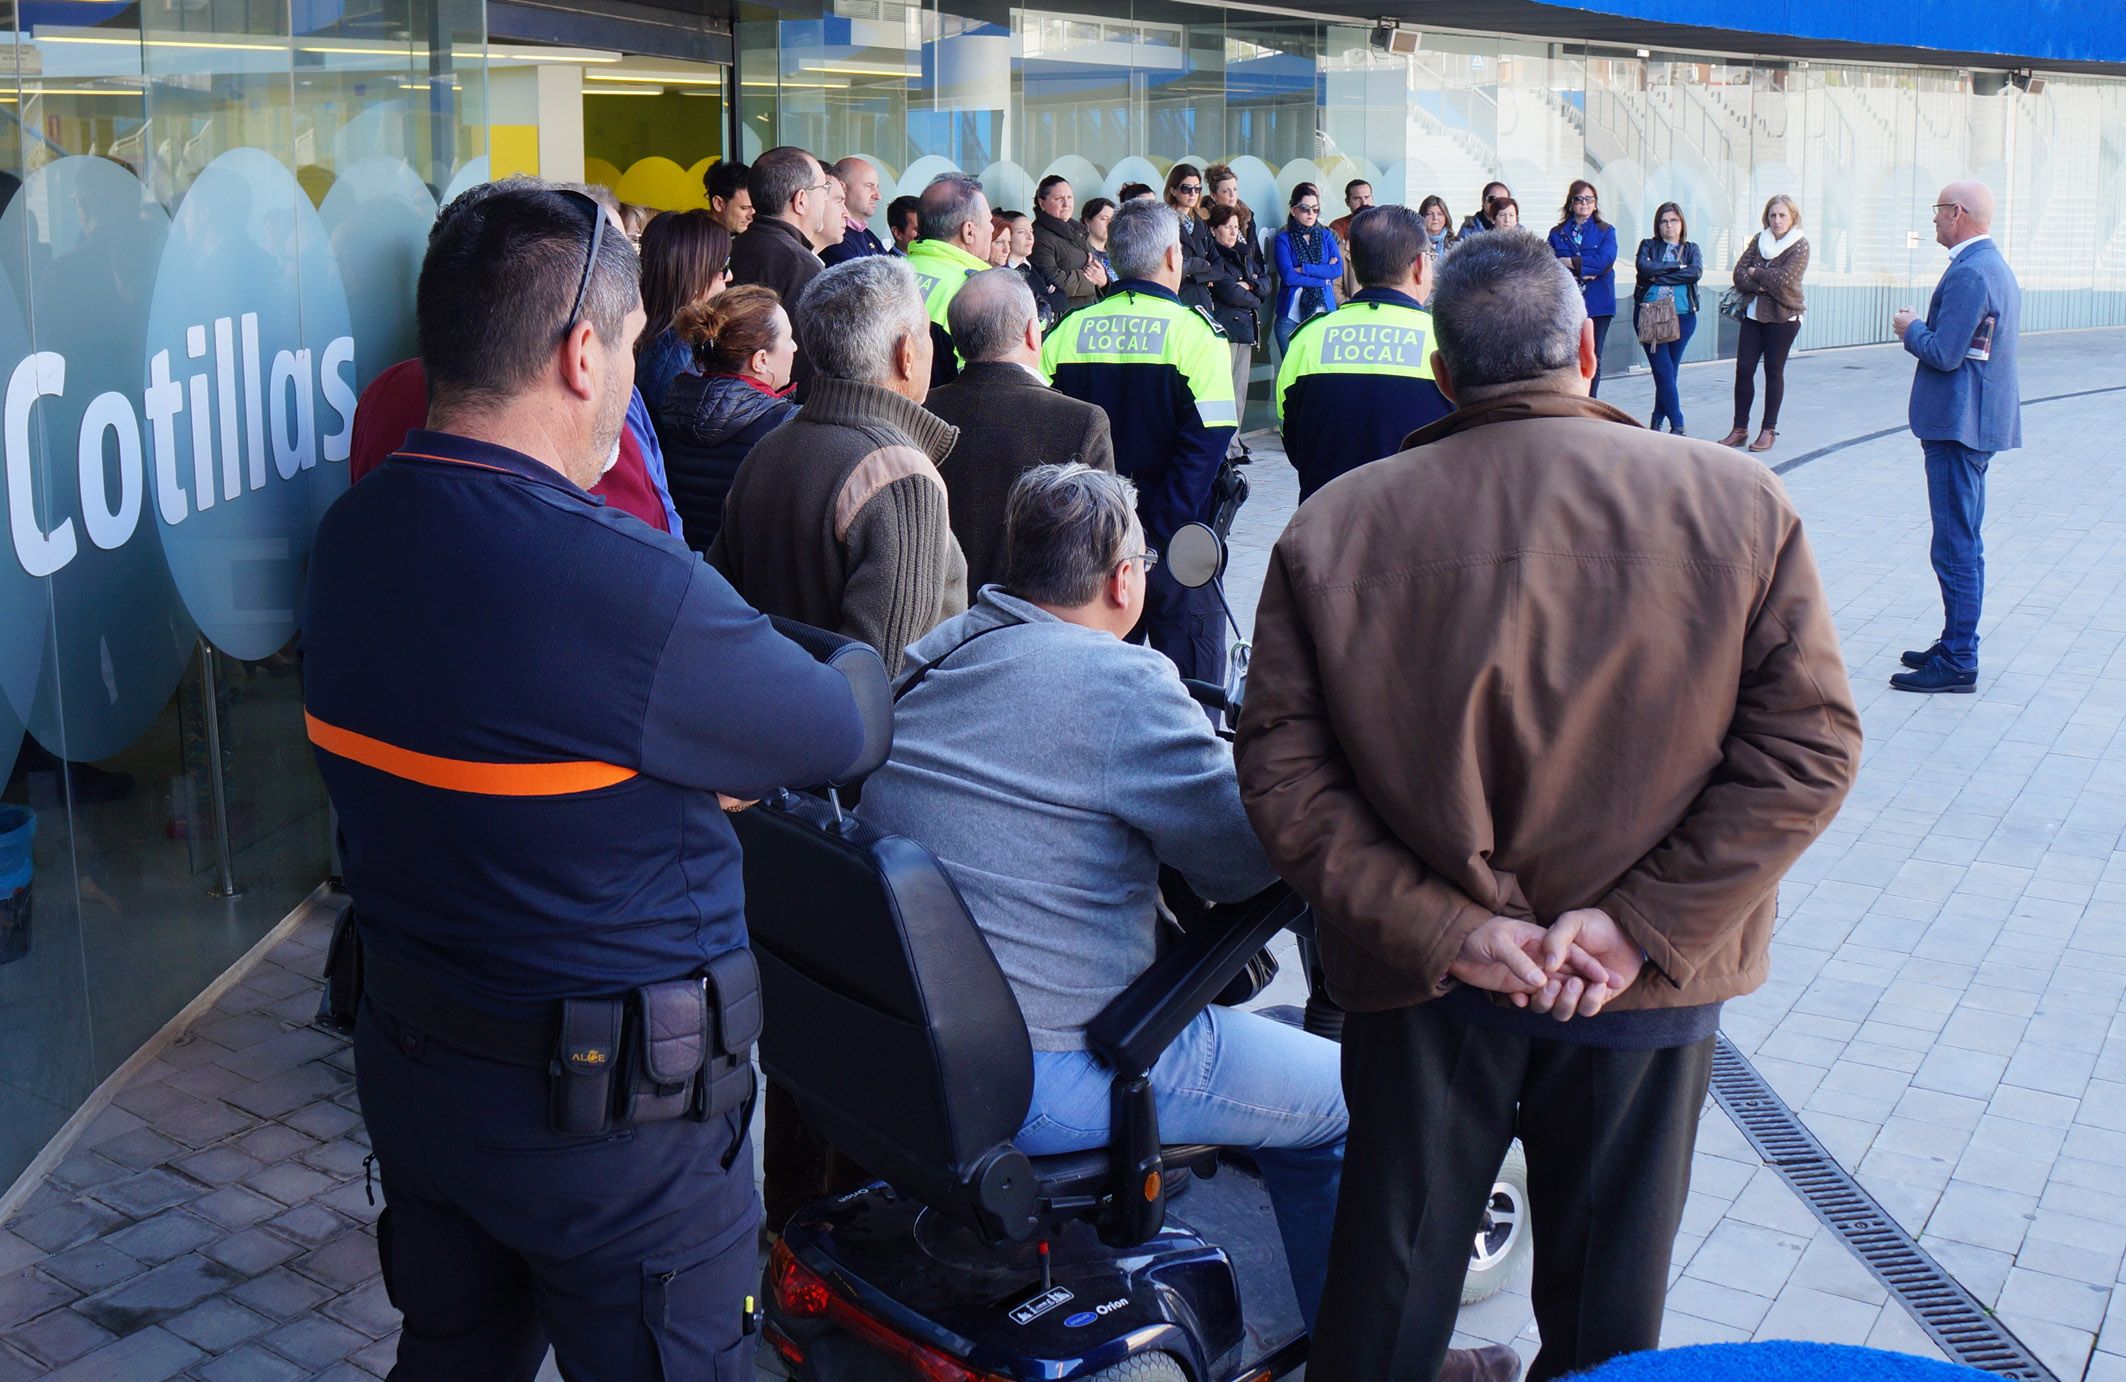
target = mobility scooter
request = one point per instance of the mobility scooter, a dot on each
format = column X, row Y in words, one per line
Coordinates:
column 890, row 1023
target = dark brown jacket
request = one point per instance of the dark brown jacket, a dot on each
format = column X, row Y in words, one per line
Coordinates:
column 837, row 519
column 1777, row 279
column 1061, row 251
column 1545, row 660
column 1009, row 422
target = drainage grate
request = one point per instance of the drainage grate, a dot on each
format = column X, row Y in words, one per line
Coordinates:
column 1951, row 1315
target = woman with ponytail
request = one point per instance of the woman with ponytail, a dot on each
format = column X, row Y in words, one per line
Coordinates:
column 744, row 350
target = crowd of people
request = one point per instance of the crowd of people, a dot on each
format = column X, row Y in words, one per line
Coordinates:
column 991, row 427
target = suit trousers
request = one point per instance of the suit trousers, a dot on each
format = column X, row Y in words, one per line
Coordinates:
column 1435, row 1102
column 1956, row 501
column 631, row 1252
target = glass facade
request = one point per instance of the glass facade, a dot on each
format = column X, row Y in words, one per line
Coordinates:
column 1120, row 92
column 213, row 215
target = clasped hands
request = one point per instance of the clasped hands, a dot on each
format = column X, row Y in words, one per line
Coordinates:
column 1571, row 968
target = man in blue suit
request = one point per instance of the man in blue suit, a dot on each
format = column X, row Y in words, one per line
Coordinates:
column 1965, row 407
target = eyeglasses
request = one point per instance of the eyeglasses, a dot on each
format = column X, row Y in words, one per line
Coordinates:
column 1587, row 197
column 1948, row 206
column 1310, row 208
column 1192, row 188
column 590, row 261
column 1148, row 556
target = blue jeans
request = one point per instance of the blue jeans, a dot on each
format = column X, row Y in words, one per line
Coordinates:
column 1666, row 359
column 1956, row 500
column 1232, row 1079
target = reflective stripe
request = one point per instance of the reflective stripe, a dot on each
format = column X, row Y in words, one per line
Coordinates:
column 461, row 775
column 1218, row 414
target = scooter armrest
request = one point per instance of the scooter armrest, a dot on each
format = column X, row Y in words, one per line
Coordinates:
column 1145, row 1018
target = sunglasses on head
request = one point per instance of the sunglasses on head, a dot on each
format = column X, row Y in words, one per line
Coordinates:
column 590, row 260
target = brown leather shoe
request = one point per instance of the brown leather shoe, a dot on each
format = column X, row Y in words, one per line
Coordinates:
column 1491, row 1363
column 1736, row 437
column 1766, row 440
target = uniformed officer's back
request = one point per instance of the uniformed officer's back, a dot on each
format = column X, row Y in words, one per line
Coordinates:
column 1356, row 381
column 524, row 706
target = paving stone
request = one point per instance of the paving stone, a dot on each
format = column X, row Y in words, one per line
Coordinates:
column 342, row 1263
column 139, row 1357
column 1819, row 1317
column 62, row 1226
column 170, row 1234
column 291, row 1183
column 158, row 1293
column 281, row 1053
column 379, row 1356
column 58, row 1336
column 1829, row 1265
column 208, row 1080
column 1747, row 1257
column 250, row 1363
column 147, row 1192
column 217, row 1324
column 91, row 1267
column 233, row 1206
column 1983, row 1217
column 291, row 1089
column 367, row 1309
column 339, row 1160
column 311, row 1224
column 17, row 1252
column 27, row 1293
column 273, row 1143
column 218, row 1166
column 315, row 1341
column 208, row 1123
column 236, row 1032
column 83, row 1170
column 141, row 1148
column 355, row 1200
column 252, row 1251
column 324, row 1121
column 2076, row 1304
column 280, row 1294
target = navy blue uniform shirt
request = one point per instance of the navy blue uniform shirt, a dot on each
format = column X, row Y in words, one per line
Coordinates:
column 524, row 704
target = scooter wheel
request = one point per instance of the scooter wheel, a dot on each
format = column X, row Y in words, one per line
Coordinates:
column 1503, row 1240
column 1145, row 1367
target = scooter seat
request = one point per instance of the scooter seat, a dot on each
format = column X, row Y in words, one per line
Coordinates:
column 1076, row 1175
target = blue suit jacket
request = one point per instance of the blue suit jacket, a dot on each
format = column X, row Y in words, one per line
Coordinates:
column 1975, row 402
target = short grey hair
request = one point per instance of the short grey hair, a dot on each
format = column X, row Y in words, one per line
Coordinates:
column 949, row 202
column 1504, row 310
column 1065, row 528
column 851, row 318
column 1139, row 237
column 988, row 315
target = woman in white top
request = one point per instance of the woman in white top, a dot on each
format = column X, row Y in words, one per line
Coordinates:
column 1768, row 275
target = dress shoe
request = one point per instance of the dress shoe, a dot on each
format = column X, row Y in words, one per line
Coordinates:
column 1491, row 1363
column 1918, row 659
column 1937, row 676
column 1766, row 440
column 1736, row 437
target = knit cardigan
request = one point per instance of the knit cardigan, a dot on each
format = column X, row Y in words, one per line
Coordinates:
column 838, row 519
column 1777, row 279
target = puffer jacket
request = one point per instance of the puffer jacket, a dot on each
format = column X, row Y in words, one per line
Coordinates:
column 708, row 426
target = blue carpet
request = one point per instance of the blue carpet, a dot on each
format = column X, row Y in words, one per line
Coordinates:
column 1778, row 1361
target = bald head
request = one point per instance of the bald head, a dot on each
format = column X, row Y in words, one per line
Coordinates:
column 1963, row 209
column 993, row 318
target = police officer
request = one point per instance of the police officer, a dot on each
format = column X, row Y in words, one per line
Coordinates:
column 525, row 706
column 1355, row 382
column 953, row 216
column 1165, row 377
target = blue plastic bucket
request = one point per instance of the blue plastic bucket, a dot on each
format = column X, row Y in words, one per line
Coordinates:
column 18, row 828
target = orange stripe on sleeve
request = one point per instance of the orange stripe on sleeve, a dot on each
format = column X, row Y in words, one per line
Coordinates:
column 461, row 775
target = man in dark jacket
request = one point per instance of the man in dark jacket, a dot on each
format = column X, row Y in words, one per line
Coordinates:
column 1009, row 419
column 1474, row 744
column 587, row 689
column 1357, row 381
column 795, row 204
column 859, row 182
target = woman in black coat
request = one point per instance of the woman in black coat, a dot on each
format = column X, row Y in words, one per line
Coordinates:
column 1238, row 288
column 1184, row 193
column 745, row 349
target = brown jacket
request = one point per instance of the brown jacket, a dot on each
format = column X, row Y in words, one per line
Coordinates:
column 1545, row 660
column 1777, row 279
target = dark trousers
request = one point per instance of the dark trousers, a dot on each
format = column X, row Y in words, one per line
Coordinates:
column 1187, row 625
column 631, row 1253
column 1434, row 1105
column 1601, row 325
column 1666, row 360
column 1769, row 342
column 1956, row 499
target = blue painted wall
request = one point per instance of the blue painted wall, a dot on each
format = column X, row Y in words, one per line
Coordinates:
column 2054, row 30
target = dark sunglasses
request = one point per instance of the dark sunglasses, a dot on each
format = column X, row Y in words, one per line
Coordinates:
column 1188, row 187
column 590, row 260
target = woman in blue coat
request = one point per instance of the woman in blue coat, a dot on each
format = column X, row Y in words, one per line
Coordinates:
column 1310, row 265
column 1588, row 245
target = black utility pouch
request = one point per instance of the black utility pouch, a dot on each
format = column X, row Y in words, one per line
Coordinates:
column 733, row 984
column 668, row 1043
column 342, row 994
column 581, row 1077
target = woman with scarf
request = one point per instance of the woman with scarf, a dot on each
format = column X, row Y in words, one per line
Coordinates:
column 1768, row 276
column 1310, row 265
column 1439, row 224
column 1588, row 245
column 745, row 350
